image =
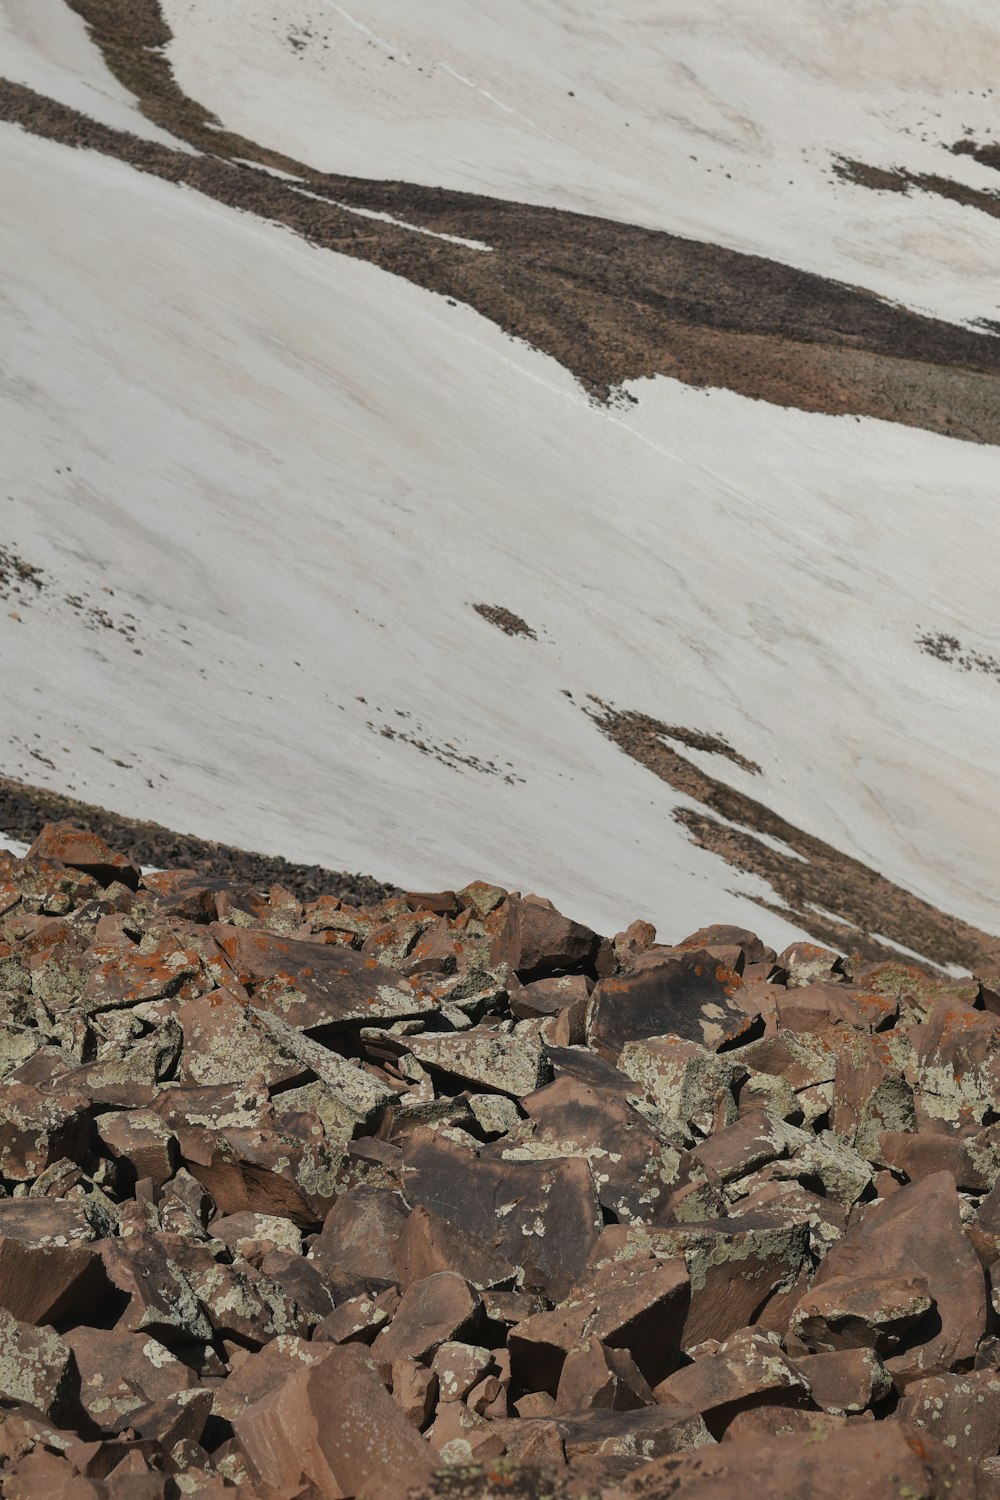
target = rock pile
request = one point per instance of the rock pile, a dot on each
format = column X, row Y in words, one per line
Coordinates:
column 452, row 1196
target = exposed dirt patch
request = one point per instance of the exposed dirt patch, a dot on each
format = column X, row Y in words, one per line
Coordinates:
column 612, row 302
column 24, row 810
column 811, row 874
column 446, row 752
column 18, row 579
column 898, row 180
column 505, row 620
column 948, row 648
column 987, row 153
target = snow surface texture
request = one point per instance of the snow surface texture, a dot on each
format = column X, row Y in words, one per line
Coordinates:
column 266, row 484
column 716, row 119
column 44, row 45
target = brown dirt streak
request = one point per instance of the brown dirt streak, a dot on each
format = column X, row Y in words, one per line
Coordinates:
column 866, row 901
column 611, row 302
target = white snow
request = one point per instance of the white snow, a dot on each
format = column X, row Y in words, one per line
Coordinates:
column 297, row 473
column 13, row 846
column 45, row 45
column 718, row 119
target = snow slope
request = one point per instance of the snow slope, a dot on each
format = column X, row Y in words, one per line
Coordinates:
column 296, row 474
column 716, row 119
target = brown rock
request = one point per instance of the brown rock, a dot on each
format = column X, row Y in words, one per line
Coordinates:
column 748, row 1370
column 311, row 985
column 818, row 1007
column 38, row 1368
column 336, row 1427
column 122, row 1371
column 48, row 1270
column 596, row 1375
column 257, row 1374
column 358, row 1320
column 535, row 940
column 427, row 1243
column 84, row 851
column 431, row 1312
column 458, row 1368
column 639, row 1435
column 486, row 1059
column 688, row 996
column 868, row 1461
column 735, row 1266
column 845, row 1381
column 639, row 1305
column 542, row 1216
column 39, row 1129
column 356, row 1246
column 960, row 1411
column 414, row 1390
column 917, row 1233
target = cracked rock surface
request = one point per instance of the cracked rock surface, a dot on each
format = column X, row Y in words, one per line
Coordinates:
column 449, row 1196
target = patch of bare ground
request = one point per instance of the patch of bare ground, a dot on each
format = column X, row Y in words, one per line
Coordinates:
column 24, row 811
column 949, row 649
column 899, row 180
column 505, row 620
column 611, row 302
column 857, row 902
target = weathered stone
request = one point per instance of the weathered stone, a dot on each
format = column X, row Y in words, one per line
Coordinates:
column 632, row 1163
column 542, row 1216
column 85, row 851
column 597, row 1375
column 432, row 1312
column 427, row 1243
column 121, row 1371
column 334, row 1425
column 754, row 1140
column 917, row 1233
column 458, row 1368
column 37, row 1367
column 639, row 1305
column 845, row 1380
column 735, row 1266
column 688, row 1084
column 749, row 1369
column 820, row 1007
column 313, row 986
column 357, row 1243
column 512, row 1065
column 49, row 1272
column 358, row 1320
column 256, row 1374
column 535, row 940
column 641, row 1434
column 38, row 1129
column 688, row 996
column 414, row 1390
column 874, row 1460
column 960, row 1411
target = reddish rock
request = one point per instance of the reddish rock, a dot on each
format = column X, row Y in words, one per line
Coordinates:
column 638, row 1436
column 639, row 1305
column 80, row 850
column 49, row 1272
column 38, row 1369
column 427, row 1243
column 749, row 1369
column 441, row 1308
column 689, row 996
column 535, row 940
column 414, row 1390
column 334, row 1426
column 597, row 1375
column 818, row 1007
column 912, row 1235
column 542, row 1216
column 960, row 1411
column 311, row 986
column 846, row 1380
column 867, row 1461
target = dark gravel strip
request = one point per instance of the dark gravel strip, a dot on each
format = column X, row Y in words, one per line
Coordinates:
column 24, row 809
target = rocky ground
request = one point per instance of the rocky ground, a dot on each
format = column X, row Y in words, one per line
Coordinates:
column 451, row 1196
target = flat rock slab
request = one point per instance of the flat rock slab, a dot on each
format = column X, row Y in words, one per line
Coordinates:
column 316, row 985
column 688, row 996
